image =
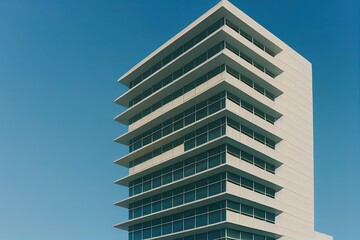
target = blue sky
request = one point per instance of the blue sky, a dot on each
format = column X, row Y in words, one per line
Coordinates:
column 59, row 62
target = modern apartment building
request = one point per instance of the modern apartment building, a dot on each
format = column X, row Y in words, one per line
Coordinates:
column 220, row 136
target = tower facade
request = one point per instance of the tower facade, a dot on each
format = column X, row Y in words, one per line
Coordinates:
column 220, row 136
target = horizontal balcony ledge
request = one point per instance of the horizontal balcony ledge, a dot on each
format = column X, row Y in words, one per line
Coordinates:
column 194, row 204
column 190, row 153
column 124, row 161
column 236, row 62
column 174, row 210
column 189, row 232
column 177, row 108
column 209, row 172
column 190, row 179
column 171, row 67
column 171, row 137
column 223, row 57
column 238, row 41
column 171, row 45
column 190, row 76
column 227, row 84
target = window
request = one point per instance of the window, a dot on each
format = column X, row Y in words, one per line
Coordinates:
column 201, row 220
column 178, row 200
column 189, row 223
column 246, row 236
column 201, row 193
column 260, row 214
column 247, row 183
column 189, row 170
column 259, row 188
column 215, row 188
column 178, row 226
column 189, row 196
column 167, row 228
column 201, row 166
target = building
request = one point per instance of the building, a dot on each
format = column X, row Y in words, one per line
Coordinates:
column 220, row 136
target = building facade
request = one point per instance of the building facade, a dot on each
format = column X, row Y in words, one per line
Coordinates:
column 220, row 136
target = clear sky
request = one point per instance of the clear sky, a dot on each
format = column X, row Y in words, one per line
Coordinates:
column 59, row 65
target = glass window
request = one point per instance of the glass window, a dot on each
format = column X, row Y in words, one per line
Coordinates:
column 246, row 236
column 259, row 237
column 189, row 170
column 137, row 189
column 259, row 163
column 147, row 233
column 178, row 200
column 189, row 196
column 167, row 130
column 167, row 178
column 234, row 206
column 156, row 182
column 232, row 48
column 188, row 45
column 178, row 226
column 137, row 212
column 214, row 50
column 156, row 206
column 247, row 81
column 247, row 210
column 214, row 217
column 270, row 119
column 259, row 88
column 200, row 37
column 167, row 228
column 201, row 166
column 200, row 59
column 201, row 220
column 178, row 174
column 259, row 113
column 270, row 192
column 259, row 214
column 201, row 114
column 247, row 183
column 215, row 107
column 246, row 57
column 247, row 157
column 189, row 66
column 201, row 139
column 214, row 133
column 156, row 231
column 233, row 233
column 189, row 144
column 233, row 178
column 232, row 72
column 270, row 95
column 147, row 209
column 201, row 80
column 259, row 137
column 270, row 168
column 247, row 131
column 217, row 234
column 189, row 223
column 137, row 235
column 270, row 217
column 167, row 203
column 201, row 193
column 189, row 119
column 215, row 188
column 214, row 161
column 270, row 143
column 259, row 188
column 156, row 135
